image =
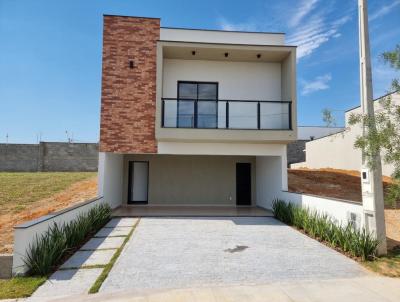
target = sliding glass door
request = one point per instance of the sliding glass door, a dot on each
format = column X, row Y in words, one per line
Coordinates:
column 197, row 105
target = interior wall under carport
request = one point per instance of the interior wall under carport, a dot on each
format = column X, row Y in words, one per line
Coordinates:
column 191, row 179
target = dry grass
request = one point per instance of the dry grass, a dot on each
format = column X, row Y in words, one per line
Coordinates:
column 25, row 196
column 342, row 184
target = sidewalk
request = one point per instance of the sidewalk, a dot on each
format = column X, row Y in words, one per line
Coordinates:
column 77, row 275
column 365, row 289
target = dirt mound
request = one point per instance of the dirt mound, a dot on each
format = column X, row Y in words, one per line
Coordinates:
column 76, row 193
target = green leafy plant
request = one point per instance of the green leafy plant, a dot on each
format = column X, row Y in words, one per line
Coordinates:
column 47, row 250
column 358, row 243
column 383, row 131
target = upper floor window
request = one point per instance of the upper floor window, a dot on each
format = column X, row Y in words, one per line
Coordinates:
column 197, row 105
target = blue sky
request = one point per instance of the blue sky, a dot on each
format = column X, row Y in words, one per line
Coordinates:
column 50, row 55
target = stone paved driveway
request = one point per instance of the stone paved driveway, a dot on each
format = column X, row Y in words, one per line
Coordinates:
column 168, row 253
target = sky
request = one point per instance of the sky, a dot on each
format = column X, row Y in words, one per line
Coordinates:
column 50, row 55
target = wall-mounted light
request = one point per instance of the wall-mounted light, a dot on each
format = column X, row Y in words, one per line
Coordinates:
column 131, row 65
column 258, row 56
column 193, row 53
column 226, row 55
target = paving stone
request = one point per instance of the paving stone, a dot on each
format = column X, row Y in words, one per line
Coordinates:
column 121, row 222
column 65, row 283
column 103, row 243
column 113, row 232
column 199, row 252
column 86, row 258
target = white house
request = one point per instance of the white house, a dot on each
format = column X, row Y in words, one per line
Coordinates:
column 194, row 117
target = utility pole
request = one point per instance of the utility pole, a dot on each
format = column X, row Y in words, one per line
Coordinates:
column 371, row 177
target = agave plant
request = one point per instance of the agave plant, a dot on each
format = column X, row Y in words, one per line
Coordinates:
column 357, row 242
column 47, row 250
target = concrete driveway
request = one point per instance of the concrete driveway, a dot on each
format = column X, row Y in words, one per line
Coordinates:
column 166, row 253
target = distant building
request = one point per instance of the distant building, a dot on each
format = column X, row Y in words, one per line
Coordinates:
column 337, row 150
column 296, row 149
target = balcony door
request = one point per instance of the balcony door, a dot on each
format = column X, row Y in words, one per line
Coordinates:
column 197, row 104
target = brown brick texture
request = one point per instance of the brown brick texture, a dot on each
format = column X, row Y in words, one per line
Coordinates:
column 128, row 95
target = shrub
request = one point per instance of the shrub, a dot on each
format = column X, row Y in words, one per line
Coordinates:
column 48, row 250
column 358, row 243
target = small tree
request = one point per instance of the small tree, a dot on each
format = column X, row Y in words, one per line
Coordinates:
column 328, row 117
column 393, row 59
column 383, row 135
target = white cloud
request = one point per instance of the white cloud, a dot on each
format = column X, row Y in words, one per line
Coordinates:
column 305, row 7
column 384, row 10
column 319, row 83
column 311, row 25
column 246, row 26
column 315, row 32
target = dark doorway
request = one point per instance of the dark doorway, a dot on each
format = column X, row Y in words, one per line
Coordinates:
column 243, row 184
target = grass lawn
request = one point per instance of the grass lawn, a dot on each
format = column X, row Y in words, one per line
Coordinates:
column 387, row 266
column 19, row 190
column 19, row 287
column 26, row 196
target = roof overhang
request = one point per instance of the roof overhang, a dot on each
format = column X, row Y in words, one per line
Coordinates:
column 218, row 51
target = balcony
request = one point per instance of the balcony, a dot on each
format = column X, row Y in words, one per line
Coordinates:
column 226, row 114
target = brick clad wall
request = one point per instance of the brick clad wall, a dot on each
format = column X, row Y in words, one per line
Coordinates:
column 128, row 97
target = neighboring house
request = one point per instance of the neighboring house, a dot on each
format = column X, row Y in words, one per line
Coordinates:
column 337, row 150
column 194, row 117
column 296, row 150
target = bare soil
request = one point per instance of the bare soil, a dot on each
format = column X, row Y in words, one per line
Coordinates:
column 75, row 193
column 342, row 184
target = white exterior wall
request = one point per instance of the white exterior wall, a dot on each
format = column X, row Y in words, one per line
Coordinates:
column 340, row 210
column 229, row 37
column 271, row 179
column 25, row 234
column 236, row 80
column 222, row 149
column 337, row 151
column 110, row 173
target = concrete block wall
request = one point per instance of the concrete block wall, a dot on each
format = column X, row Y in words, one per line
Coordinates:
column 19, row 157
column 70, row 157
column 48, row 156
column 296, row 151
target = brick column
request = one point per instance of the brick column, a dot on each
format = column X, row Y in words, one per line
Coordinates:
column 128, row 95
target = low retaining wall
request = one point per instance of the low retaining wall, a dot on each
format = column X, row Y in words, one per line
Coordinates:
column 6, row 261
column 343, row 211
column 26, row 233
column 49, row 156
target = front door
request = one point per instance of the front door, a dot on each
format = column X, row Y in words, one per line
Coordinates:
column 138, row 182
column 243, row 184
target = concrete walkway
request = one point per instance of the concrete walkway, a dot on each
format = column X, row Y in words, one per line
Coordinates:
column 365, row 289
column 80, row 271
column 168, row 253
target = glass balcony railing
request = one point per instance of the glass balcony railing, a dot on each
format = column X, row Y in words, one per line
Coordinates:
column 226, row 114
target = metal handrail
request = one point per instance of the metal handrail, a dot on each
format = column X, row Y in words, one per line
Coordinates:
column 195, row 114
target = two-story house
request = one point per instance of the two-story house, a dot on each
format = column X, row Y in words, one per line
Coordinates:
column 194, row 117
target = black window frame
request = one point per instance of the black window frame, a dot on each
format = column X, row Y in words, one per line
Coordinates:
column 196, row 100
